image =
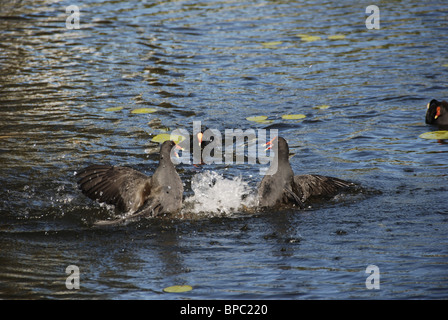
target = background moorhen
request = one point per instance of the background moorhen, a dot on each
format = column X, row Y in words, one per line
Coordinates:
column 134, row 192
column 437, row 113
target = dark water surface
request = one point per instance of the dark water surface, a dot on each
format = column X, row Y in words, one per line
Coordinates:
column 220, row 62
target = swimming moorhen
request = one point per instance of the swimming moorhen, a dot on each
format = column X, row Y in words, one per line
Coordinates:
column 134, row 192
column 437, row 113
column 279, row 187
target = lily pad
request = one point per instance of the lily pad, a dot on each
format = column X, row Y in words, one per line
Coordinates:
column 113, row 109
column 445, row 65
column 322, row 107
column 438, row 135
column 272, row 43
column 293, row 116
column 308, row 38
column 144, row 110
column 336, row 37
column 160, row 138
column 178, row 289
column 259, row 119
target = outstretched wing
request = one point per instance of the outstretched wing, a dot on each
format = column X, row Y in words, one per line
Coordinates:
column 292, row 197
column 310, row 185
column 152, row 207
column 123, row 187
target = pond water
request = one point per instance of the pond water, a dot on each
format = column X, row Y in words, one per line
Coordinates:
column 363, row 92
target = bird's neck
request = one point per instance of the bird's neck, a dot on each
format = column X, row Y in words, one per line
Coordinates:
column 165, row 162
column 280, row 166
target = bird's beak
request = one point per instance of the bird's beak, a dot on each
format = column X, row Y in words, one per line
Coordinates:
column 200, row 135
column 177, row 147
column 269, row 144
column 427, row 106
column 437, row 113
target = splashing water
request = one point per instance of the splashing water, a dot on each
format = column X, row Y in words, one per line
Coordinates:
column 215, row 195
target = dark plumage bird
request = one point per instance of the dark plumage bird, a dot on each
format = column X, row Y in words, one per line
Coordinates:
column 134, row 192
column 196, row 145
column 279, row 187
column 437, row 113
column 199, row 140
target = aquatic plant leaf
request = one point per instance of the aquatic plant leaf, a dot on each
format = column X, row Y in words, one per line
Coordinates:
column 178, row 289
column 144, row 110
column 160, row 138
column 445, row 65
column 259, row 119
column 293, row 116
column 322, row 107
column 336, row 37
column 113, row 109
column 438, row 135
column 272, row 43
column 308, row 38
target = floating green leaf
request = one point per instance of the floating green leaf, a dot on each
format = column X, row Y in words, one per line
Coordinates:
column 178, row 289
column 322, row 107
column 259, row 119
column 113, row 109
column 293, row 116
column 445, row 65
column 308, row 38
column 256, row 118
column 160, row 138
column 336, row 37
column 272, row 43
column 438, row 135
column 144, row 110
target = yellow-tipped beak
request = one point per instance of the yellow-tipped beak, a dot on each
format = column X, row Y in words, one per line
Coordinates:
column 200, row 135
column 177, row 147
column 438, row 113
column 269, row 144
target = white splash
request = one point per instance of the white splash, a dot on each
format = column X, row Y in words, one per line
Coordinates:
column 215, row 195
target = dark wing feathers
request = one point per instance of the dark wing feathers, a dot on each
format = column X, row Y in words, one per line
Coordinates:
column 123, row 187
column 311, row 185
column 292, row 196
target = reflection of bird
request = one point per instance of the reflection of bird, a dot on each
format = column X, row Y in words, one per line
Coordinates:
column 280, row 187
column 132, row 191
column 437, row 112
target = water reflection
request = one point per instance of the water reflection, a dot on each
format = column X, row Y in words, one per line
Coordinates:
column 220, row 62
